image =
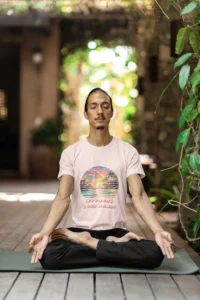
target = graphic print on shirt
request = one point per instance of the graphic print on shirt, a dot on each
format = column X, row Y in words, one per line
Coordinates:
column 99, row 186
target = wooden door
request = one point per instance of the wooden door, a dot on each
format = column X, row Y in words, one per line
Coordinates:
column 9, row 106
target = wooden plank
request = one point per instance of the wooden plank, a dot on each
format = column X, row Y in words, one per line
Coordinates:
column 23, row 245
column 53, row 286
column 25, row 287
column 137, row 287
column 189, row 285
column 80, row 287
column 14, row 216
column 17, row 235
column 6, row 281
column 164, row 287
column 108, row 286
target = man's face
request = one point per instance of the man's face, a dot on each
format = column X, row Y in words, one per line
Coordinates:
column 99, row 110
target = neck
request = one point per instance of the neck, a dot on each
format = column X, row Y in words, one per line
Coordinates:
column 99, row 138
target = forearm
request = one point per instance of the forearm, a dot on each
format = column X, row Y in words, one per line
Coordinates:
column 147, row 213
column 58, row 209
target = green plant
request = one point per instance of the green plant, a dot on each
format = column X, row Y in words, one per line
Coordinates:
column 166, row 190
column 48, row 133
column 188, row 141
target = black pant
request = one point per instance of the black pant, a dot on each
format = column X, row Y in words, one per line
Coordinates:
column 64, row 254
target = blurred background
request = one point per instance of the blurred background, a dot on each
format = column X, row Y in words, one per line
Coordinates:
column 53, row 52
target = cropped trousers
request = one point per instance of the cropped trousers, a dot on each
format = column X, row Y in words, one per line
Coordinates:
column 65, row 254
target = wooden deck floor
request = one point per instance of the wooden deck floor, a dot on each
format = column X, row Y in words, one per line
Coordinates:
column 18, row 221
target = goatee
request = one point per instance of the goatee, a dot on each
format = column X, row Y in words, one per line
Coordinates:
column 100, row 127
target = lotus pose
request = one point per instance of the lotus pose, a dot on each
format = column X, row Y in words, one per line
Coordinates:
column 95, row 176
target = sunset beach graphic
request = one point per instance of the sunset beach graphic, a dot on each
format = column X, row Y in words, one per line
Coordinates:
column 100, row 183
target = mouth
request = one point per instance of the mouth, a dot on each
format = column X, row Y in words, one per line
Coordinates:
column 100, row 120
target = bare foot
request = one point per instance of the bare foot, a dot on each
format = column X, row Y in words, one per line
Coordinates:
column 59, row 233
column 127, row 237
column 76, row 237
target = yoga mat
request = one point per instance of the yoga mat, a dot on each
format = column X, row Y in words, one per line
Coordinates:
column 20, row 262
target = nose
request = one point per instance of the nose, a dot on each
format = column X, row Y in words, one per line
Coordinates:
column 99, row 110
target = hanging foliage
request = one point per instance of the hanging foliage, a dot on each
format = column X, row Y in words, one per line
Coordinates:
column 188, row 140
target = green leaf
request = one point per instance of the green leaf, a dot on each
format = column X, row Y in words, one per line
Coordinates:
column 182, row 138
column 182, row 37
column 182, row 59
column 195, row 41
column 192, row 115
column 183, row 76
column 192, row 97
column 189, row 8
column 184, row 114
column 198, row 107
column 194, row 161
column 184, row 166
column 164, row 192
column 195, row 77
column 196, row 19
column 196, row 227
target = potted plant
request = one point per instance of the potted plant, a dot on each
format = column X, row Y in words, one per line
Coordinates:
column 46, row 149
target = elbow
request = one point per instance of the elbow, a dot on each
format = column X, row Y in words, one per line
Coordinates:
column 63, row 199
column 141, row 203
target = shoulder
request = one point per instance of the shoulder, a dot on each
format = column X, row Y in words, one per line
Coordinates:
column 128, row 147
column 71, row 149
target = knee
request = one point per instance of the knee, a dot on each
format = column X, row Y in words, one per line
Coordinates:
column 47, row 260
column 155, row 256
column 50, row 256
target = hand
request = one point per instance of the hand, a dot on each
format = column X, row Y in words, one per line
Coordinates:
column 37, row 245
column 165, row 242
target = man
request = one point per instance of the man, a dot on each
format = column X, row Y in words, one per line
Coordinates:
column 96, row 171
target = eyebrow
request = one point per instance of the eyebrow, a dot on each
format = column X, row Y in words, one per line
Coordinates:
column 105, row 102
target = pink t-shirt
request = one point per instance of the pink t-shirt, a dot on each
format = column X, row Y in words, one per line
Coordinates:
column 100, row 182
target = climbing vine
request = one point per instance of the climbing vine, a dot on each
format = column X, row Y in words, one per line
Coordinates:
column 187, row 69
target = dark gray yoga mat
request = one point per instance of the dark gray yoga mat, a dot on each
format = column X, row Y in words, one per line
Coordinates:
column 20, row 261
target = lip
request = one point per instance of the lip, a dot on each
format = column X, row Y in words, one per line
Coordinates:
column 100, row 120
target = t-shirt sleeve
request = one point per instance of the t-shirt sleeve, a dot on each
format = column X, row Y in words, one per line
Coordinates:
column 134, row 165
column 66, row 165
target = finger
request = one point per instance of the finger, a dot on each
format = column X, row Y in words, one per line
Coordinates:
column 140, row 238
column 163, row 249
column 169, row 252
column 172, row 251
column 32, row 241
column 41, row 253
column 37, row 256
column 169, row 238
column 30, row 248
column 33, row 256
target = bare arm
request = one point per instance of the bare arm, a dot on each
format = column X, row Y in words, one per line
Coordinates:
column 143, row 204
column 59, row 207
column 60, row 204
column 145, row 209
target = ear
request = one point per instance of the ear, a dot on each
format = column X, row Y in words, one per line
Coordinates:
column 112, row 114
column 85, row 115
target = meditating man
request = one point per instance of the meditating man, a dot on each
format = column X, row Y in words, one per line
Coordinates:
column 98, row 171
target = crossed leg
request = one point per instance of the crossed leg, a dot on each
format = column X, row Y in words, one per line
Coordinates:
column 72, row 250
